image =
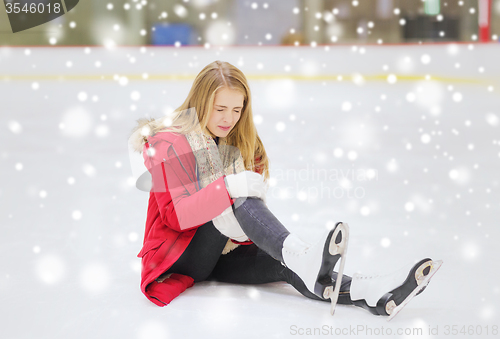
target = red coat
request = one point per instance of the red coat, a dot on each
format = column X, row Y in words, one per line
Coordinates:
column 177, row 207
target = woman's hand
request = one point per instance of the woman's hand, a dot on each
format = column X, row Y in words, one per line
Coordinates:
column 246, row 184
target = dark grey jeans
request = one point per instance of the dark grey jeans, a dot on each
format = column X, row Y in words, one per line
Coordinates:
column 248, row 264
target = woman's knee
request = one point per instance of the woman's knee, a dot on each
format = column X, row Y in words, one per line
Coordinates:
column 238, row 202
column 247, row 204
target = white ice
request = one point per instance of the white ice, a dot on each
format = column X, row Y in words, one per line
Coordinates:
column 354, row 134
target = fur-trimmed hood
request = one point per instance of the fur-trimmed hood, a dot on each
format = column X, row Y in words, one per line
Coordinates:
column 144, row 129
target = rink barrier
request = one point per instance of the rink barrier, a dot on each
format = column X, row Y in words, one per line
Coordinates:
column 340, row 44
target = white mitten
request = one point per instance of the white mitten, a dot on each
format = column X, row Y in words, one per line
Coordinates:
column 227, row 224
column 246, row 184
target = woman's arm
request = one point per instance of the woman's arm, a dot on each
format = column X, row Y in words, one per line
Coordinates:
column 181, row 204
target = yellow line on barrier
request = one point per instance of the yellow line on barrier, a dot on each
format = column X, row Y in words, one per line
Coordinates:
column 327, row 77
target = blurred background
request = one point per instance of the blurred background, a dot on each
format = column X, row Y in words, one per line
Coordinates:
column 407, row 132
column 263, row 22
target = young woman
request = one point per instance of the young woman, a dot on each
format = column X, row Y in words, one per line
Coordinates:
column 207, row 218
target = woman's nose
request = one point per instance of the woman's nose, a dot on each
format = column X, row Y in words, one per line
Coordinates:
column 227, row 116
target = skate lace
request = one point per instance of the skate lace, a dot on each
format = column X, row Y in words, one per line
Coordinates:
column 297, row 253
column 371, row 276
column 388, row 274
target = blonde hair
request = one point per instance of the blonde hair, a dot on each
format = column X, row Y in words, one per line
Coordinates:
column 244, row 136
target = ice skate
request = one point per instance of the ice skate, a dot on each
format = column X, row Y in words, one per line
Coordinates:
column 388, row 294
column 314, row 264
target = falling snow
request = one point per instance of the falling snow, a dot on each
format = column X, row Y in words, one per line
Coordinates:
column 391, row 139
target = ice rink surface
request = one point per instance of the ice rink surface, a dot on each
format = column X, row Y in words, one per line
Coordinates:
column 354, row 133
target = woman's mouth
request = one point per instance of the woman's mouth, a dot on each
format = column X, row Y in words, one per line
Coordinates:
column 225, row 128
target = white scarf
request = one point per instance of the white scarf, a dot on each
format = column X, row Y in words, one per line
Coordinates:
column 212, row 160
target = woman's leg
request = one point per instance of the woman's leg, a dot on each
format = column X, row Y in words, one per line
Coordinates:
column 313, row 264
column 202, row 253
column 249, row 264
column 258, row 221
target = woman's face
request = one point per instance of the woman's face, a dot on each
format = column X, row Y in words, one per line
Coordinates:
column 228, row 104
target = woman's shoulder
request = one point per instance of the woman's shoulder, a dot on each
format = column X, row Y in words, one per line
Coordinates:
column 166, row 140
column 150, row 130
column 169, row 136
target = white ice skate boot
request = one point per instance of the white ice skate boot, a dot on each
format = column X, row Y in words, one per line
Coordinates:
column 314, row 264
column 388, row 294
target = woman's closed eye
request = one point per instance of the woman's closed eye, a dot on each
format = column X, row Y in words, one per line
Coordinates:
column 220, row 110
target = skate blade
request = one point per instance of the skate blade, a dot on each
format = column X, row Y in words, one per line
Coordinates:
column 340, row 248
column 424, row 282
